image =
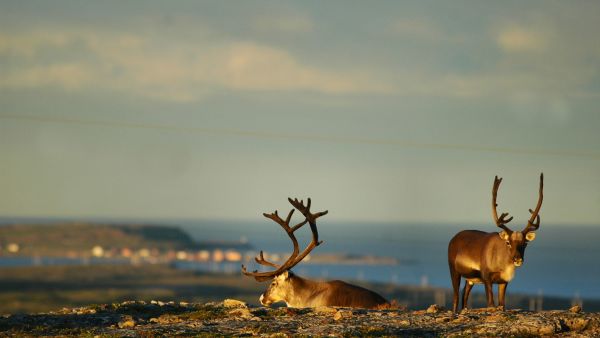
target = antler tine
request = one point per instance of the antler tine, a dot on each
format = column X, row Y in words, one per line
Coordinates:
column 534, row 220
column 312, row 220
column 260, row 259
column 502, row 221
column 263, row 276
column 296, row 256
column 305, row 210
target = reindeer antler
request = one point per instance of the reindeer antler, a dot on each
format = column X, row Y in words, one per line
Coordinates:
column 500, row 222
column 534, row 221
column 296, row 257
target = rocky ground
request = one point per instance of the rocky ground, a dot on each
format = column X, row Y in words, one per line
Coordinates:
column 234, row 318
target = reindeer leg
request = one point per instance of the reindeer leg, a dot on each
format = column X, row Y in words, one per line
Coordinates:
column 501, row 294
column 455, row 276
column 466, row 292
column 489, row 293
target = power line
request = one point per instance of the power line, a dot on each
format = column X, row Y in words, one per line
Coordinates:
column 306, row 137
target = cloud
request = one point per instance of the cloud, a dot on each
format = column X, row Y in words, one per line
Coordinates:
column 28, row 44
column 519, row 39
column 169, row 70
column 254, row 67
column 68, row 76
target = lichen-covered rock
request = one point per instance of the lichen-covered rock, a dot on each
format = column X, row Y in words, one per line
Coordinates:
column 325, row 309
column 433, row 309
column 242, row 313
column 137, row 319
column 575, row 309
column 234, row 303
column 126, row 323
column 342, row 314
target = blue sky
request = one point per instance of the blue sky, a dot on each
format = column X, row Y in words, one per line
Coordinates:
column 385, row 111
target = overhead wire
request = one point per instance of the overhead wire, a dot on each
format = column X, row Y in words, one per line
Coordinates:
column 304, row 137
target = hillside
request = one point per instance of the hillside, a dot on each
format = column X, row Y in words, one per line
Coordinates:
column 48, row 288
column 62, row 239
column 142, row 319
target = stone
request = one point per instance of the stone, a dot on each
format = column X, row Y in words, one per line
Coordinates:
column 433, row 309
column 240, row 313
column 546, row 330
column 126, row 323
column 325, row 309
column 494, row 318
column 575, row 309
column 576, row 324
column 442, row 319
column 342, row 314
column 233, row 303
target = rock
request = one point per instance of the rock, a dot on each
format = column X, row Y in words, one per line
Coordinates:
column 461, row 319
column 232, row 303
column 494, row 318
column 576, row 324
column 442, row 319
column 433, row 309
column 240, row 313
column 341, row 314
column 325, row 309
column 546, row 330
column 575, row 309
column 126, row 323
column 217, row 320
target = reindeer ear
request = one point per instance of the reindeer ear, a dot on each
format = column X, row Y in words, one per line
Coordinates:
column 504, row 235
column 530, row 236
column 285, row 275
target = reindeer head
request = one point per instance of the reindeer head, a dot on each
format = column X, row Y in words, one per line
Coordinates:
column 279, row 290
column 281, row 286
column 516, row 241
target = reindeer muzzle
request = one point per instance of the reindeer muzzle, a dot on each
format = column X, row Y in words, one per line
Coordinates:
column 518, row 261
column 263, row 300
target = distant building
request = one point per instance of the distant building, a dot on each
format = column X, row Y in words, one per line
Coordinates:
column 13, row 247
column 233, row 256
column 182, row 255
column 97, row 251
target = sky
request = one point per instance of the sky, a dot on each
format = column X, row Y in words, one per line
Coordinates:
column 386, row 111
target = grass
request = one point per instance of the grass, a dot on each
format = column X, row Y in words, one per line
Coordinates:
column 37, row 289
column 49, row 288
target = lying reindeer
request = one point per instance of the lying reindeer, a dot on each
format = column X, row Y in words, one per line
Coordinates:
column 300, row 292
column 490, row 257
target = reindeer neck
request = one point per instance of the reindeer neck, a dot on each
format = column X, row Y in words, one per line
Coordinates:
column 302, row 289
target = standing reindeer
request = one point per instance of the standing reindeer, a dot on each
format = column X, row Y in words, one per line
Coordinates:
column 299, row 292
column 490, row 257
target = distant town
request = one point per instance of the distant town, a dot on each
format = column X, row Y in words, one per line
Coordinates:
column 140, row 244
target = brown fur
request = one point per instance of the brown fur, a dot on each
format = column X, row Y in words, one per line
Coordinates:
column 484, row 257
column 301, row 292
